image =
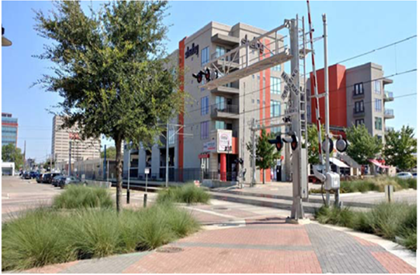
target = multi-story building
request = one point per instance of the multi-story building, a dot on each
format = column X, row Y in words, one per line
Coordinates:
column 357, row 96
column 9, row 129
column 218, row 116
column 80, row 149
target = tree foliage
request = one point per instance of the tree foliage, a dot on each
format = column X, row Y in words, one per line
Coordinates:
column 313, row 151
column 399, row 148
column 110, row 153
column 266, row 153
column 362, row 145
column 110, row 69
column 10, row 153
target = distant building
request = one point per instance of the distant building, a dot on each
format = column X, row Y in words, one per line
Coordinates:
column 357, row 96
column 9, row 129
column 80, row 149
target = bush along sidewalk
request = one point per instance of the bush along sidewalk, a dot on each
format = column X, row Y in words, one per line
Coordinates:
column 83, row 227
column 188, row 193
column 393, row 221
column 373, row 184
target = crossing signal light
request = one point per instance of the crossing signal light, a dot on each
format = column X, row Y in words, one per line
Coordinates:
column 327, row 144
column 199, row 76
column 341, row 145
column 239, row 160
column 207, row 74
column 278, row 142
column 294, row 142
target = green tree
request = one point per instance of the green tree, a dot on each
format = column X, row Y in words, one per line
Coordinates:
column 111, row 71
column 313, row 144
column 399, row 148
column 266, row 153
column 362, row 146
column 10, row 153
column 110, row 153
column 47, row 164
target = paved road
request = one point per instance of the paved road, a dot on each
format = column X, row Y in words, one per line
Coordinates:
column 238, row 238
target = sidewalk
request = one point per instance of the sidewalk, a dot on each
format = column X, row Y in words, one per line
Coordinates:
column 240, row 238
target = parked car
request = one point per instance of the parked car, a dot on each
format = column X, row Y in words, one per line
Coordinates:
column 405, row 175
column 64, row 181
column 26, row 176
column 39, row 178
column 414, row 175
column 33, row 174
column 49, row 177
column 56, row 180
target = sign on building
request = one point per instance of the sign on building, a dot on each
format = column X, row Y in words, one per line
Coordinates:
column 209, row 146
column 224, row 141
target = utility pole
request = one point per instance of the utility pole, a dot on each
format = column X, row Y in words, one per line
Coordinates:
column 104, row 175
column 128, row 177
column 69, row 158
column 51, row 163
column 167, row 157
column 327, row 105
column 254, row 157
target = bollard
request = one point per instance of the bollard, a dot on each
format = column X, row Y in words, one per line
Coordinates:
column 128, row 196
column 389, row 193
column 145, row 200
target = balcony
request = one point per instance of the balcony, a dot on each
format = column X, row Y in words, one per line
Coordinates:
column 228, row 63
column 358, row 112
column 389, row 114
column 388, row 96
column 227, row 40
column 223, row 90
column 357, row 94
column 226, row 111
column 389, row 129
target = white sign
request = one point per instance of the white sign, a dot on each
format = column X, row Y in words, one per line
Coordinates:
column 224, row 141
column 147, row 170
column 209, row 146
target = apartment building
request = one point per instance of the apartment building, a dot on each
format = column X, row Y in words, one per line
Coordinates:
column 9, row 129
column 215, row 127
column 80, row 149
column 358, row 95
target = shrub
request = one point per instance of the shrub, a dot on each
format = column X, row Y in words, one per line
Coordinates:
column 188, row 193
column 388, row 220
column 76, row 196
column 47, row 236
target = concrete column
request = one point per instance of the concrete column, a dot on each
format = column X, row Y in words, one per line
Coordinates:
column 223, row 167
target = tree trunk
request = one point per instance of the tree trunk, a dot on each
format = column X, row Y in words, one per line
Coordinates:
column 263, row 176
column 118, row 142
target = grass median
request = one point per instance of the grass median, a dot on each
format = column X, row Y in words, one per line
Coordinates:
column 393, row 221
column 51, row 235
column 374, row 184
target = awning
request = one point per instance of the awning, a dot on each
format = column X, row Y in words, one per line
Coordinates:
column 377, row 163
column 203, row 156
column 339, row 163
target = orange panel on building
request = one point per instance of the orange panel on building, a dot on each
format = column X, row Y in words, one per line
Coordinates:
column 337, row 91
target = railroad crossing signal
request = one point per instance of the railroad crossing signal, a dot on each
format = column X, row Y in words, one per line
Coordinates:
column 278, row 142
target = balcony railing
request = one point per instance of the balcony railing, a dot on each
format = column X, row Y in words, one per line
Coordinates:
column 359, row 93
column 389, row 113
column 389, row 129
column 388, row 96
column 357, row 111
column 224, row 108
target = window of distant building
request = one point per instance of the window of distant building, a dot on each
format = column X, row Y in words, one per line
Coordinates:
column 358, row 89
column 204, row 130
column 276, row 130
column 220, row 51
column 378, row 123
column 220, row 124
column 220, row 102
column 359, row 107
column 204, row 105
column 378, row 105
column 275, row 108
column 360, row 122
column 378, row 85
column 205, row 56
column 275, row 85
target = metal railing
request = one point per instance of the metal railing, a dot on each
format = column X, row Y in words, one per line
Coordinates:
column 358, row 111
column 224, row 108
column 389, row 112
column 389, row 129
column 388, row 95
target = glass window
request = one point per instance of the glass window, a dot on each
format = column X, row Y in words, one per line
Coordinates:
column 220, row 124
column 220, row 102
column 276, row 130
column 275, row 85
column 358, row 89
column 360, row 122
column 378, row 87
column 378, row 123
column 378, row 105
column 204, row 130
column 204, row 105
column 205, row 56
column 359, row 106
column 275, row 108
column 220, row 51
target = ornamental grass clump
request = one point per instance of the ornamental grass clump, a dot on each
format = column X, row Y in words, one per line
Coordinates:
column 77, row 196
column 188, row 193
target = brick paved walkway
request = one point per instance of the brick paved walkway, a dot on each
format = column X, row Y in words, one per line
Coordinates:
column 260, row 245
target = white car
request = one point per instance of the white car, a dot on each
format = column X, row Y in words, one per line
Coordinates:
column 405, row 175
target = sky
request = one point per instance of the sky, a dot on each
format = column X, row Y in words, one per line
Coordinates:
column 354, row 27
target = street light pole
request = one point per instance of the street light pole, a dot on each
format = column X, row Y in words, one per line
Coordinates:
column 167, row 156
column 128, row 177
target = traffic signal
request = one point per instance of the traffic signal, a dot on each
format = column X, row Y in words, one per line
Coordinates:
column 199, row 76
column 207, row 74
column 294, row 142
column 341, row 145
column 327, row 145
column 278, row 142
column 239, row 160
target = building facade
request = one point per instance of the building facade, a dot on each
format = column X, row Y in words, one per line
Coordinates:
column 9, row 129
column 214, row 129
column 358, row 95
column 80, row 149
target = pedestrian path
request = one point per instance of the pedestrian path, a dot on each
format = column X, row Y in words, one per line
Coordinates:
column 239, row 238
